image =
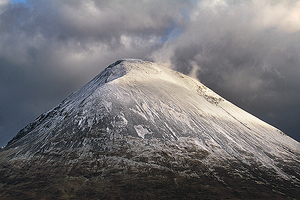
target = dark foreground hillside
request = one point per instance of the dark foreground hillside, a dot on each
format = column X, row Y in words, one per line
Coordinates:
column 88, row 180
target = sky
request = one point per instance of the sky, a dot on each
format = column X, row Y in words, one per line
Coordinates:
column 248, row 51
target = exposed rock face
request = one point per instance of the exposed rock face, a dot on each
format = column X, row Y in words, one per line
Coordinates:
column 142, row 131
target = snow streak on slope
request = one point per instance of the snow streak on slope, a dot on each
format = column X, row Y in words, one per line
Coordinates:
column 149, row 108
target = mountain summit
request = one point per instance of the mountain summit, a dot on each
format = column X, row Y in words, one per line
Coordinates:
column 142, row 131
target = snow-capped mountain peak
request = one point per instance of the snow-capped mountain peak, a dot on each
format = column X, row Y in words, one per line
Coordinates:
column 138, row 114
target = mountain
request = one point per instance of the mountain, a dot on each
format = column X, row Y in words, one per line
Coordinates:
column 142, row 131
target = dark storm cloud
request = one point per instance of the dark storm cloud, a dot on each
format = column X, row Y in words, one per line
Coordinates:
column 247, row 51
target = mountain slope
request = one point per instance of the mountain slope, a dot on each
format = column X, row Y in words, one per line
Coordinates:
column 156, row 131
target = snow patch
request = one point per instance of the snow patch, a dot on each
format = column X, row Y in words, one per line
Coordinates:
column 141, row 131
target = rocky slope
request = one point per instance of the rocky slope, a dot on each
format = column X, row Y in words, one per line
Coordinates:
column 142, row 131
